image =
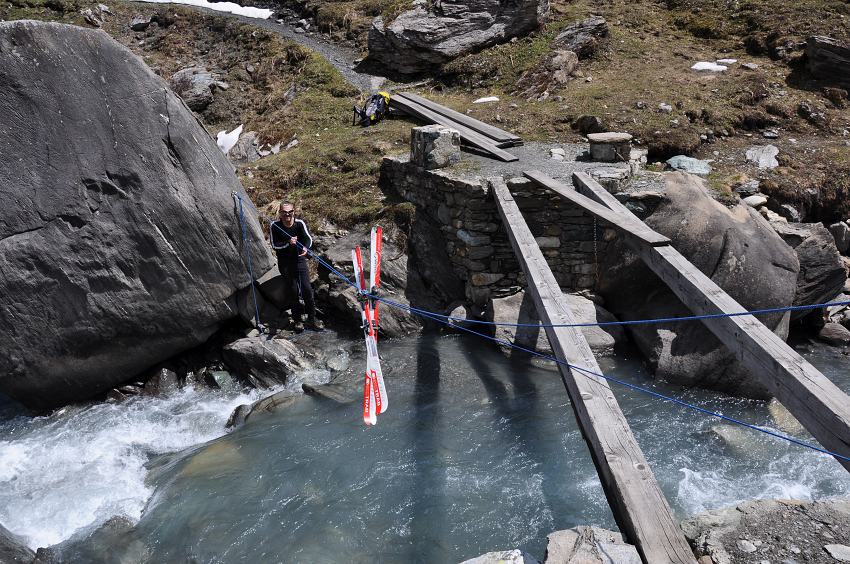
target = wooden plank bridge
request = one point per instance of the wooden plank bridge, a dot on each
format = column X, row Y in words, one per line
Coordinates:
column 641, row 511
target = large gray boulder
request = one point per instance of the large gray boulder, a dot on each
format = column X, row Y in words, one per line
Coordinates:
column 119, row 238
column 737, row 249
column 419, row 41
column 822, row 273
column 583, row 38
column 264, row 362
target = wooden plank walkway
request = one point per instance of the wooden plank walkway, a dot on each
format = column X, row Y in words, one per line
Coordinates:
column 820, row 406
column 466, row 134
column 502, row 138
column 639, row 506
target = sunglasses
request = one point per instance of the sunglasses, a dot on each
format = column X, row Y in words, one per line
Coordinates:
column 287, row 213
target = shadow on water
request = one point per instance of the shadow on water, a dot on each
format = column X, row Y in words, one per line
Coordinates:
column 430, row 477
column 517, row 405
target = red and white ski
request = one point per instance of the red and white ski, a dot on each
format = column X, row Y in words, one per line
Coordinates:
column 377, row 244
column 374, row 392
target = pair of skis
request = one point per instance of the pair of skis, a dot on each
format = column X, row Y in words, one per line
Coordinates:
column 374, row 392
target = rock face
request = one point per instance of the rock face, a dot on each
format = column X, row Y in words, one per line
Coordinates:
column 822, row 273
column 829, row 60
column 13, row 550
column 119, row 241
column 419, row 41
column 777, row 530
column 737, row 249
column 583, row 38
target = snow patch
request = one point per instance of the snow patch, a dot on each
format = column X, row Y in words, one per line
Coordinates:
column 229, row 7
column 707, row 66
column 226, row 140
column 726, row 61
column 486, row 100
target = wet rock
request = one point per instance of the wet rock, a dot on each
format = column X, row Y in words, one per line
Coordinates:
column 332, row 392
column 841, row 233
column 689, row 165
column 736, row 248
column 140, row 23
column 13, row 548
column 589, row 545
column 237, row 416
column 271, row 404
column 195, row 85
column 828, row 59
column 835, row 334
column 106, row 233
column 162, row 383
column 583, row 38
column 589, row 124
column 114, row 537
column 264, row 363
column 822, row 272
column 418, row 41
column 519, row 308
column 763, row 156
column 515, row 556
column 783, row 419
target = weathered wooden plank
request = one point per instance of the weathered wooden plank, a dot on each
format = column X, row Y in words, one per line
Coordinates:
column 639, row 506
column 467, row 135
column 632, row 230
column 821, row 407
column 494, row 133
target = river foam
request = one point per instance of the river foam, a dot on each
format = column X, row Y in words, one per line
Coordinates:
column 84, row 464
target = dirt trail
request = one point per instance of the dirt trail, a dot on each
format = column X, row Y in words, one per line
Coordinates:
column 342, row 58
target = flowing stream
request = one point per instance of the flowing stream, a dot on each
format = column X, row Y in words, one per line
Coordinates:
column 477, row 452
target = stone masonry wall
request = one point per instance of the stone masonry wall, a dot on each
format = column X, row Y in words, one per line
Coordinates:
column 476, row 242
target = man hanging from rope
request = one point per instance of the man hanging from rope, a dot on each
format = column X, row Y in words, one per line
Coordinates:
column 285, row 236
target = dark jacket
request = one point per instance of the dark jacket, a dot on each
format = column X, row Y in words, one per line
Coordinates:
column 279, row 236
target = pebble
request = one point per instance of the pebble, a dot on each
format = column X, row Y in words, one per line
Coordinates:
column 750, row 66
column 770, row 134
column 755, row 200
column 746, row 546
column 666, row 108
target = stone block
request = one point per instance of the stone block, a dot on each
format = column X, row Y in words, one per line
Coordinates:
column 434, row 146
column 548, row 242
column 610, row 147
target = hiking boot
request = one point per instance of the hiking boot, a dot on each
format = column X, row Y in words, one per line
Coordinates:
column 315, row 324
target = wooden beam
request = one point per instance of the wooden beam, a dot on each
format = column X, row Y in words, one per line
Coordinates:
column 467, row 135
column 820, row 406
column 640, row 232
column 497, row 135
column 639, row 506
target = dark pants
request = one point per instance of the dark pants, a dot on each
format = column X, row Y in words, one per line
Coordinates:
column 296, row 279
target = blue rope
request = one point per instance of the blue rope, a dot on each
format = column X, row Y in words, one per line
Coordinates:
column 247, row 246
column 589, row 373
column 444, row 319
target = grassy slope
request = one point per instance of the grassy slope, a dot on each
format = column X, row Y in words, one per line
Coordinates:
column 332, row 172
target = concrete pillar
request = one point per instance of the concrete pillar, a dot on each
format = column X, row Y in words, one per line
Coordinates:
column 434, row 146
